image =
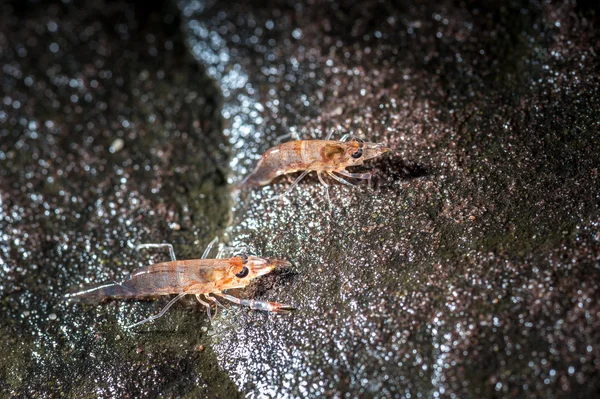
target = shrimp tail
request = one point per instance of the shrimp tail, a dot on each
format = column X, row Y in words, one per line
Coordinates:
column 101, row 292
column 252, row 180
column 263, row 174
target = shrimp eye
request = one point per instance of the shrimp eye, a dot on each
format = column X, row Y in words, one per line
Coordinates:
column 357, row 154
column 244, row 258
column 243, row 273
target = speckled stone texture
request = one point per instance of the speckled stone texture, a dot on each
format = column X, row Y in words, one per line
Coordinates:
column 469, row 268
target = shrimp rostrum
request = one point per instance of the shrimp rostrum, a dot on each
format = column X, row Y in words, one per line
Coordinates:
column 326, row 157
column 199, row 277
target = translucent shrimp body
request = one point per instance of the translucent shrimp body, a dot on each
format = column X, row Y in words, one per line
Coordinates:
column 322, row 156
column 311, row 155
column 194, row 276
column 182, row 277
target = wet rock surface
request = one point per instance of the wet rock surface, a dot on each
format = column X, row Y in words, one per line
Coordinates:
column 468, row 269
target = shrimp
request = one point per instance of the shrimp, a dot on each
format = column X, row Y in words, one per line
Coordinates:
column 194, row 276
column 330, row 157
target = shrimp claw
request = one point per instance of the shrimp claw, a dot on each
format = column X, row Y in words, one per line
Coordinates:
column 274, row 307
column 364, row 176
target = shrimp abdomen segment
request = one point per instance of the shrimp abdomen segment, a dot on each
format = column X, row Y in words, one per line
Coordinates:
column 294, row 156
column 279, row 160
column 101, row 292
column 196, row 276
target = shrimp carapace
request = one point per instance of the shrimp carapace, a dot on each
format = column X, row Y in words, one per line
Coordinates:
column 182, row 277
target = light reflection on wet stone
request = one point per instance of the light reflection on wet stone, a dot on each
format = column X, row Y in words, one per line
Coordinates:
column 458, row 274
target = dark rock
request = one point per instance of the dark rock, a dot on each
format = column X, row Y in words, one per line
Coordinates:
column 110, row 135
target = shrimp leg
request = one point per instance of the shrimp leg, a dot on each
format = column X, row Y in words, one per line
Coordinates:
column 159, row 314
column 258, row 305
column 293, row 135
column 365, row 176
column 162, row 245
column 339, row 179
column 224, row 251
column 220, row 252
column 217, row 303
column 207, row 307
column 209, row 247
column 294, row 184
column 213, row 299
column 326, row 188
column 172, row 251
